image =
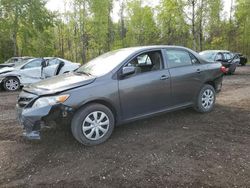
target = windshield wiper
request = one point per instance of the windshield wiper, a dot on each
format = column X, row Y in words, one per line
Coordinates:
column 83, row 72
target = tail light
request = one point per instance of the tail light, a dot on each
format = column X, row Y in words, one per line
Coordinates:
column 223, row 69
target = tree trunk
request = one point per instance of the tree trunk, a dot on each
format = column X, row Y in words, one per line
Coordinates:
column 84, row 39
column 201, row 26
column 15, row 32
column 193, row 26
column 109, row 34
column 122, row 29
column 230, row 26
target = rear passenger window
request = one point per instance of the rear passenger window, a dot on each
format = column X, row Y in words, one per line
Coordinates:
column 178, row 58
column 219, row 57
column 227, row 56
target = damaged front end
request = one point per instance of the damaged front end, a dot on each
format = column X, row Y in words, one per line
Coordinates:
column 34, row 112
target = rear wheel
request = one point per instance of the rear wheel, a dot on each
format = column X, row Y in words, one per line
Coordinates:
column 206, row 99
column 93, row 124
column 11, row 84
column 232, row 70
column 242, row 63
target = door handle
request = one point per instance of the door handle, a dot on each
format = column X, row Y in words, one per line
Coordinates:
column 164, row 77
column 198, row 71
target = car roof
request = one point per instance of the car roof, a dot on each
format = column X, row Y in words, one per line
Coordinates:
column 216, row 51
column 154, row 47
column 137, row 49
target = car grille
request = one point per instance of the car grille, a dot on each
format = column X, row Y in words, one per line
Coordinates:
column 25, row 98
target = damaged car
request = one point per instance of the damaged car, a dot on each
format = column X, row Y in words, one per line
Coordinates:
column 228, row 59
column 33, row 70
column 119, row 87
column 15, row 61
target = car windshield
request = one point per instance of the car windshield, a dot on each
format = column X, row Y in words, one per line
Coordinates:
column 11, row 60
column 105, row 63
column 21, row 63
column 209, row 56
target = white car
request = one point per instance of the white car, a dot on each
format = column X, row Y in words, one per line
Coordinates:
column 34, row 70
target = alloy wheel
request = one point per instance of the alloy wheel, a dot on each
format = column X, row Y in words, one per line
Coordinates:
column 95, row 125
column 207, row 98
column 12, row 84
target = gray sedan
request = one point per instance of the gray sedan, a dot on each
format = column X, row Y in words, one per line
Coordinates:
column 119, row 87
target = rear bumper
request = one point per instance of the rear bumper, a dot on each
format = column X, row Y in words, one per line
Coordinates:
column 33, row 120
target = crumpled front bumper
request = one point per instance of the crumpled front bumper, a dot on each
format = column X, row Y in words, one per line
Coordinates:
column 34, row 119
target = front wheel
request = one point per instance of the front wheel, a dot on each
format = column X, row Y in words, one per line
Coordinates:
column 206, row 99
column 11, row 84
column 92, row 124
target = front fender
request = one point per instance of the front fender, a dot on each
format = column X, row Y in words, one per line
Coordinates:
column 9, row 74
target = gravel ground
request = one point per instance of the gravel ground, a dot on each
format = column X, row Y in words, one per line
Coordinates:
column 178, row 149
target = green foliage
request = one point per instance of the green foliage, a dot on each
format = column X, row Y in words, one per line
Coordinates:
column 141, row 26
column 86, row 28
column 26, row 22
column 242, row 15
column 172, row 24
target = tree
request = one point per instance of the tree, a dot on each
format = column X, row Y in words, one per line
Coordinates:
column 102, row 26
column 215, row 31
column 173, row 28
column 141, row 25
column 242, row 15
column 25, row 19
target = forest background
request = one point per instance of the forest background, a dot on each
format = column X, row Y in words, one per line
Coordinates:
column 85, row 29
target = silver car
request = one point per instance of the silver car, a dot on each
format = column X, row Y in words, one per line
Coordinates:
column 32, row 71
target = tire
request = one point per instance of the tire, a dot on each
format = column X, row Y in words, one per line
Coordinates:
column 232, row 70
column 243, row 64
column 243, row 61
column 206, row 99
column 11, row 84
column 89, row 116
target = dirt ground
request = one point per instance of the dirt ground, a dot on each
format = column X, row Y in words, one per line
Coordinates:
column 178, row 149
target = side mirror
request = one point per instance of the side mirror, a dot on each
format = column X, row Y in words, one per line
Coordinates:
column 44, row 63
column 128, row 70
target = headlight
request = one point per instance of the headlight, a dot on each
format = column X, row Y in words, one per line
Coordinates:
column 49, row 101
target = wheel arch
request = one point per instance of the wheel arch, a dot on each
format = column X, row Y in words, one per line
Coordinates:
column 212, row 83
column 12, row 76
column 104, row 102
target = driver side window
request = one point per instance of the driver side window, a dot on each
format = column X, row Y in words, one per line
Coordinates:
column 146, row 62
column 33, row 64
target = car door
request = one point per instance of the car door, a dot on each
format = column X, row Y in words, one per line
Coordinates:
column 31, row 72
column 51, row 68
column 187, row 75
column 148, row 89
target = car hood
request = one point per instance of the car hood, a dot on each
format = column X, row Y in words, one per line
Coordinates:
column 6, row 69
column 7, row 64
column 59, row 83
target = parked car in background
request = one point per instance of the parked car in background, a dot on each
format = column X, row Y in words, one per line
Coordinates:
column 119, row 87
column 243, row 59
column 34, row 70
column 14, row 61
column 228, row 59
